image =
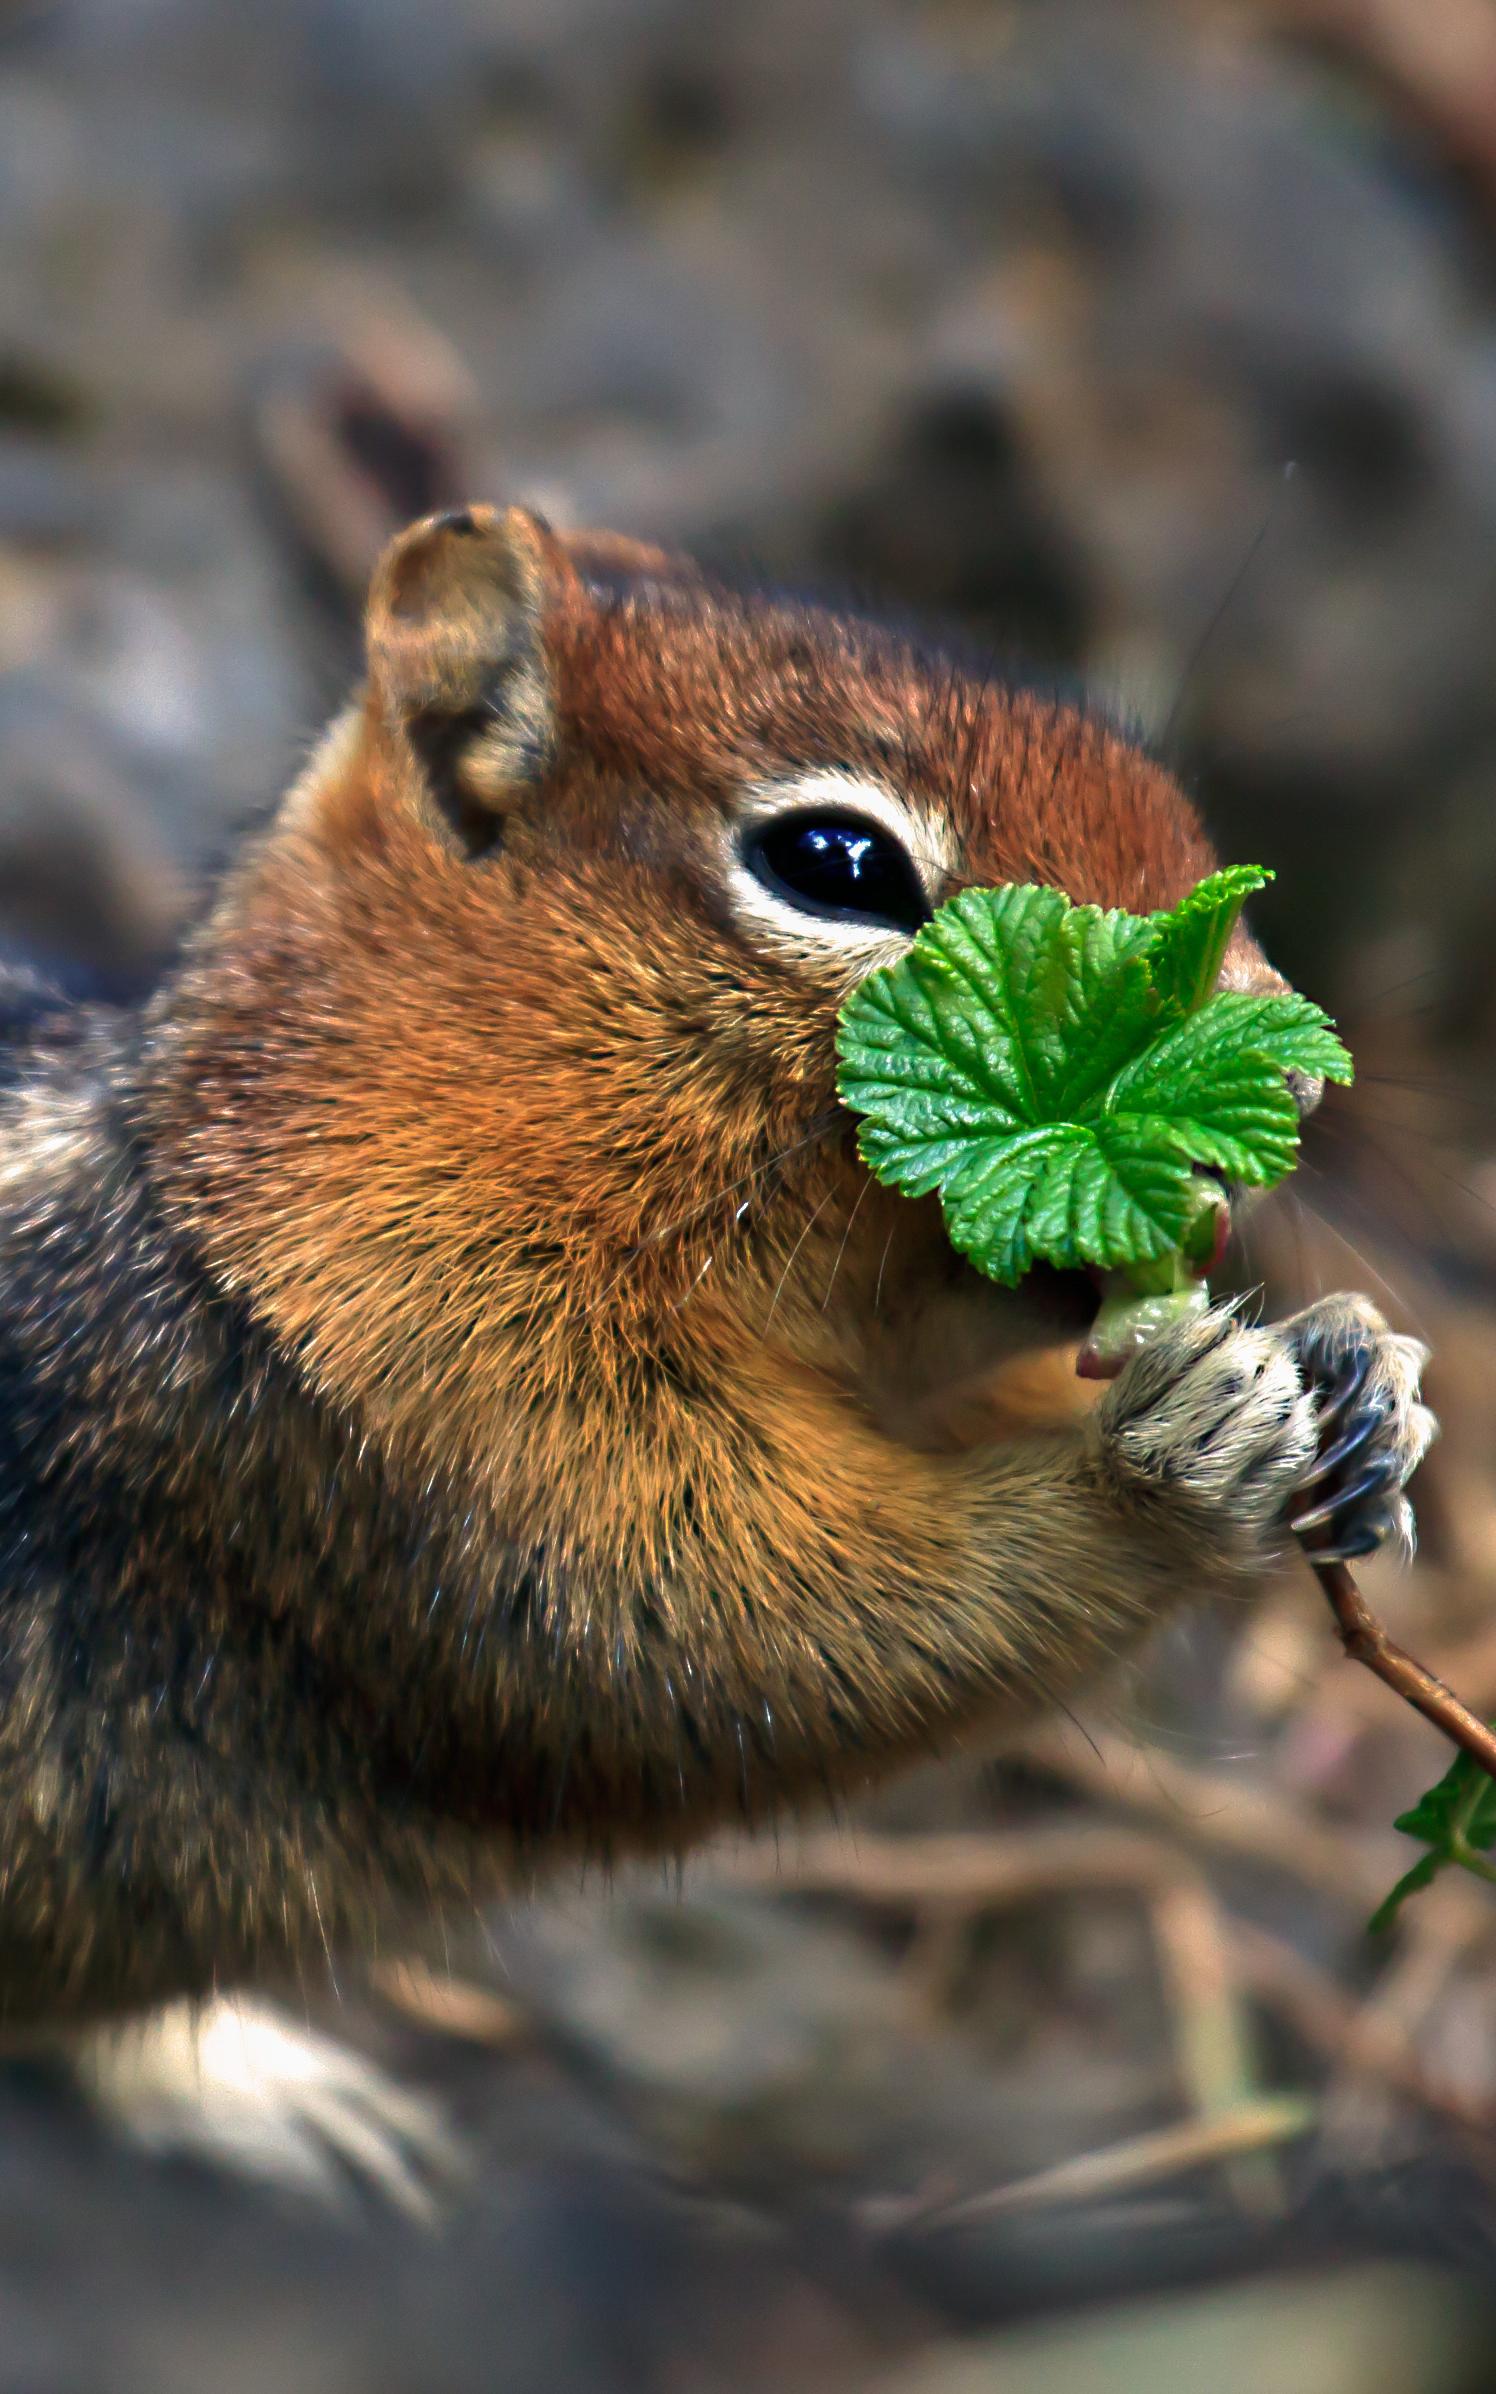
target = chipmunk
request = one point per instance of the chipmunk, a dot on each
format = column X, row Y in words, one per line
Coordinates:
column 464, row 1403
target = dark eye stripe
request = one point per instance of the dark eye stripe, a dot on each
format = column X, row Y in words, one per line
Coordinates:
column 840, row 867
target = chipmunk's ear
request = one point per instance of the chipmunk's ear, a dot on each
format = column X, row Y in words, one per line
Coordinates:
column 459, row 669
column 616, row 557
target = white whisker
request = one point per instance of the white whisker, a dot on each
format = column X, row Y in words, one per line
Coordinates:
column 682, row 1302
column 842, row 1249
column 882, row 1268
column 789, row 1266
column 683, row 1221
column 1317, row 1214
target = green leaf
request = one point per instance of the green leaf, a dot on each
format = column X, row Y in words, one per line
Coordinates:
column 1462, row 1805
column 1288, row 1030
column 1190, row 944
column 1086, row 1190
column 1055, row 1074
column 1456, row 1820
column 1016, row 973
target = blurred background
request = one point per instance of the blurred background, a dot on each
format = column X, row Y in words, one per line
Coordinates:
column 1155, row 346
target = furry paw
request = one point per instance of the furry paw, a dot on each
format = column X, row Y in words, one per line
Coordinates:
column 1313, row 1425
column 237, row 2083
column 1373, row 1431
column 1214, row 1422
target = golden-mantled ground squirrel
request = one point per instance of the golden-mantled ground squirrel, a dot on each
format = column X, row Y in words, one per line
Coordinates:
column 463, row 1403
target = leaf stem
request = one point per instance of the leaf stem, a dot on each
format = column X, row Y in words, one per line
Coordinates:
column 1466, row 1812
column 1366, row 1641
column 1470, row 1858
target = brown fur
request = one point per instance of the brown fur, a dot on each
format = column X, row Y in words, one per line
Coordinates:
column 463, row 1400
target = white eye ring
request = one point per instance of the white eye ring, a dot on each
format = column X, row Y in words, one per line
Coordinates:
column 798, row 931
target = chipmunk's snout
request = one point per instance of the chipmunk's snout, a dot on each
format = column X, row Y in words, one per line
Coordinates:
column 1306, row 1088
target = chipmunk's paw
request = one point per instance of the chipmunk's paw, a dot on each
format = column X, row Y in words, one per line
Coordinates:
column 238, row 2084
column 1313, row 1424
column 1212, row 1429
column 1372, row 1429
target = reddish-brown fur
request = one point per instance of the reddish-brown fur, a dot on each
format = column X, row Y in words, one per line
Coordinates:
column 466, row 1386
column 393, row 1061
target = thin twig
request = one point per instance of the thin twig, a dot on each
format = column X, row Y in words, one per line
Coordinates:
column 1150, row 2159
column 948, row 1880
column 1366, row 1641
column 1362, row 2039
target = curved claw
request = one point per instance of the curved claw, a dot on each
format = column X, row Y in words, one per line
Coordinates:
column 1332, row 1457
column 1362, row 1380
column 1351, row 1549
column 1378, row 1476
column 1344, row 1390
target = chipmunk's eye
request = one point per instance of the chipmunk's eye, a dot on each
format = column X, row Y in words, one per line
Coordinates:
column 840, row 867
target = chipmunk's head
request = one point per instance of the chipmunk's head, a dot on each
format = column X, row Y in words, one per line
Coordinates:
column 504, row 1078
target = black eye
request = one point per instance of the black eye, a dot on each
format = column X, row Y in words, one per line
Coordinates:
column 840, row 867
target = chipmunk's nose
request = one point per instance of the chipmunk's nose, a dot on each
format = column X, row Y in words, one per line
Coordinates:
column 1307, row 1089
